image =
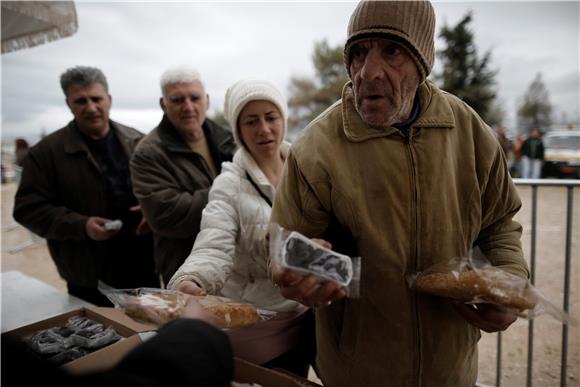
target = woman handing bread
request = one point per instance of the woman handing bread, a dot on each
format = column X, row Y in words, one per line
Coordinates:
column 229, row 257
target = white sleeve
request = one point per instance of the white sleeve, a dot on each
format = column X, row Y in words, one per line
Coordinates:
column 211, row 259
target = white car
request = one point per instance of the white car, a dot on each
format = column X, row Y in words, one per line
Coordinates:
column 562, row 154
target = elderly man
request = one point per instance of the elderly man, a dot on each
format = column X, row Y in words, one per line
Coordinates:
column 75, row 188
column 405, row 176
column 175, row 165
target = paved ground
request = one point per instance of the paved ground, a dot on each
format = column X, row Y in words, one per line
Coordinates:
column 36, row 262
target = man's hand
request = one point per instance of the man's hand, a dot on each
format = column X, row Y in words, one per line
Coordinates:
column 307, row 290
column 191, row 287
column 95, row 229
column 143, row 227
column 487, row 317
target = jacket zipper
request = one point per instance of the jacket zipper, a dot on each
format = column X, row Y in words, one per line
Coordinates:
column 414, row 264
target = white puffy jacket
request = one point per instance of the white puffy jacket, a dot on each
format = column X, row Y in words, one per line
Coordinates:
column 229, row 257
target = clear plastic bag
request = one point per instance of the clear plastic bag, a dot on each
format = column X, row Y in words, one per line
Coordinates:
column 294, row 251
column 474, row 279
column 159, row 306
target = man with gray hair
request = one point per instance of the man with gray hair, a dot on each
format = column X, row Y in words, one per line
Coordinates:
column 405, row 176
column 76, row 192
column 175, row 165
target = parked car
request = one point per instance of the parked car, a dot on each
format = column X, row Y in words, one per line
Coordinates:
column 562, row 154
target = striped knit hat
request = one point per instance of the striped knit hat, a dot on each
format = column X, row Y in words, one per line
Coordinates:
column 410, row 23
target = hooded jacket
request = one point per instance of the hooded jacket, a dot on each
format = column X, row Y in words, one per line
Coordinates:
column 171, row 183
column 405, row 203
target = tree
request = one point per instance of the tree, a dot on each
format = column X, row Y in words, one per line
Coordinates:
column 310, row 97
column 535, row 110
column 220, row 119
column 464, row 73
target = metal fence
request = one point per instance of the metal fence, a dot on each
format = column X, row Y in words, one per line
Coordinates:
column 535, row 184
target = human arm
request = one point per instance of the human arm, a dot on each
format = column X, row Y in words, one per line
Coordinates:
column 499, row 235
column 38, row 204
column 298, row 208
column 210, row 262
column 499, row 241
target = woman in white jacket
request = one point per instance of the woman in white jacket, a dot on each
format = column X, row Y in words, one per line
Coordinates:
column 229, row 257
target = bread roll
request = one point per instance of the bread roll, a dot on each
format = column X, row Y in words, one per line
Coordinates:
column 487, row 285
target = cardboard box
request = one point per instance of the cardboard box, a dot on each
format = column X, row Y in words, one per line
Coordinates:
column 107, row 357
column 103, row 358
column 246, row 372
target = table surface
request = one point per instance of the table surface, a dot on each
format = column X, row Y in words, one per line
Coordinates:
column 26, row 300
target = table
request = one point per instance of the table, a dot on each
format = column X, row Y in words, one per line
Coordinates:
column 26, row 300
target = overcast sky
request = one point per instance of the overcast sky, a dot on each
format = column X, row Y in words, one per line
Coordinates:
column 134, row 42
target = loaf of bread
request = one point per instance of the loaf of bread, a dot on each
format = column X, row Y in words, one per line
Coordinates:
column 160, row 308
column 487, row 285
column 234, row 315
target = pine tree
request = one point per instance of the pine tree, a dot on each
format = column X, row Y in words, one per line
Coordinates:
column 464, row 73
column 310, row 97
column 535, row 110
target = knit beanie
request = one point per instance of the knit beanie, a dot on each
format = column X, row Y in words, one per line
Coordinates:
column 240, row 93
column 410, row 23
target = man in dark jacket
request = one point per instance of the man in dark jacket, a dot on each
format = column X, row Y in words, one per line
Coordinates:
column 174, row 166
column 76, row 192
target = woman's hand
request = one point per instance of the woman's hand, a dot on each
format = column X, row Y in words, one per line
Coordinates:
column 192, row 288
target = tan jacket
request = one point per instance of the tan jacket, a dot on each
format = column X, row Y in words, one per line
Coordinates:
column 408, row 203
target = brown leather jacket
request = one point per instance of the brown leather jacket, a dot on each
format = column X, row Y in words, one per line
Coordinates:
column 172, row 183
column 407, row 203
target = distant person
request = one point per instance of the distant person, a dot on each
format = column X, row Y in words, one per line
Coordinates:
column 20, row 151
column 175, row 165
column 230, row 254
column 405, row 176
column 76, row 181
column 533, row 155
column 516, row 170
column 506, row 145
column 187, row 352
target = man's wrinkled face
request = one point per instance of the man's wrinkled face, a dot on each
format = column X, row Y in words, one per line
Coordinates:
column 185, row 105
column 90, row 104
column 385, row 80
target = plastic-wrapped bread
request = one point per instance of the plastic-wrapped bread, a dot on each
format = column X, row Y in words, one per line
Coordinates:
column 491, row 285
column 164, row 306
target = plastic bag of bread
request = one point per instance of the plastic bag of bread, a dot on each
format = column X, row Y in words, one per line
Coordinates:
column 474, row 280
column 294, row 251
column 159, row 306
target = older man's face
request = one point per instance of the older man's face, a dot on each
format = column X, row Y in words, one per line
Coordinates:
column 385, row 80
column 185, row 105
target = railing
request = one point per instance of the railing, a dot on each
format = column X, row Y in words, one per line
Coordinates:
column 534, row 184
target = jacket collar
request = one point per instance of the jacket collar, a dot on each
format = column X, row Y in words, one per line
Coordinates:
column 220, row 141
column 74, row 141
column 435, row 113
column 246, row 161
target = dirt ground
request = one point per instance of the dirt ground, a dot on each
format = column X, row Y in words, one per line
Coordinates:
column 36, row 262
